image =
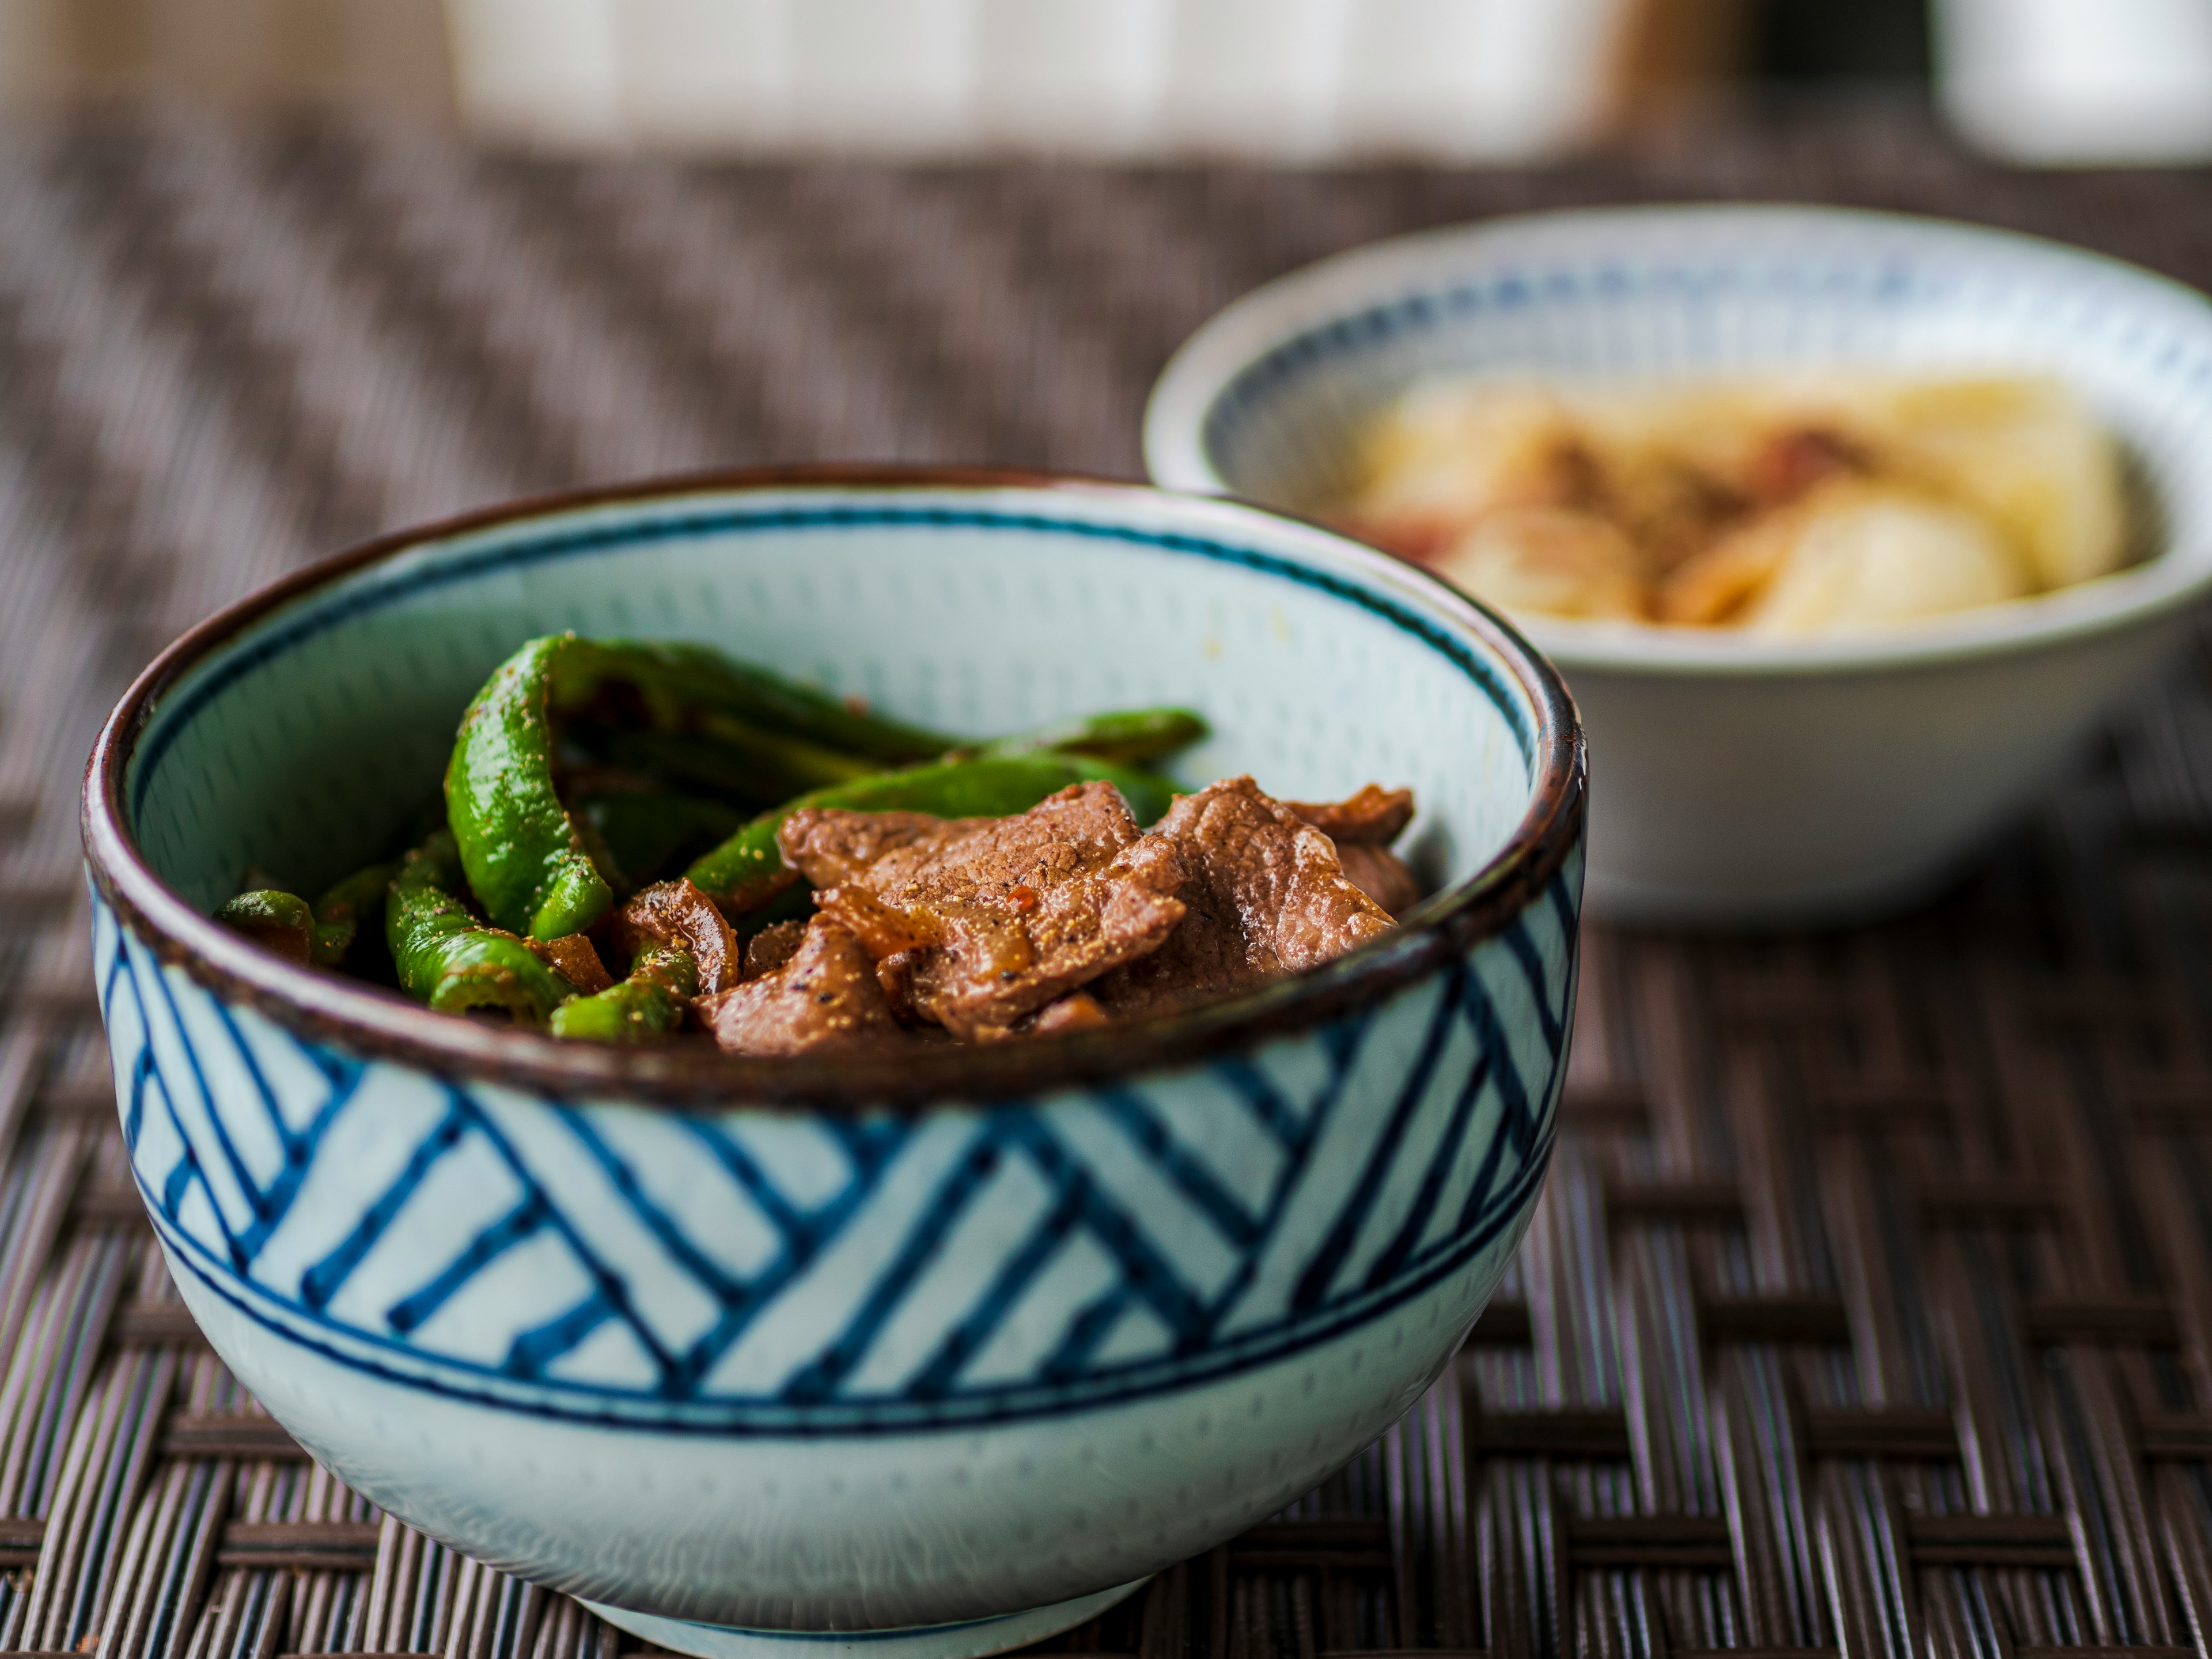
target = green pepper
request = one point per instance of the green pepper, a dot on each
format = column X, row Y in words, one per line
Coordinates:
column 446, row 958
column 337, row 913
column 1132, row 735
column 791, row 731
column 1148, row 793
column 643, row 832
column 747, row 870
column 676, row 678
column 528, row 861
column 274, row 919
column 728, row 759
column 663, row 978
column 524, row 859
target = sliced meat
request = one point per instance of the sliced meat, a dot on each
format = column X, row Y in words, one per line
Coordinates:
column 830, row 847
column 1381, row 874
column 1077, row 1012
column 770, row 948
column 573, row 957
column 1204, row 960
column 977, row 923
column 1374, row 817
column 825, row 996
column 1267, row 896
column 1363, row 827
column 676, row 912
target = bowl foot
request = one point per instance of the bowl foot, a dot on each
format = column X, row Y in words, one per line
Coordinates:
column 970, row 1639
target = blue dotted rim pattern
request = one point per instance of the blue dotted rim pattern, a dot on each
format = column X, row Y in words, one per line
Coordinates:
column 171, row 718
column 366, row 1022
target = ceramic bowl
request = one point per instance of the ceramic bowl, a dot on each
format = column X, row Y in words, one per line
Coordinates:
column 947, row 1351
column 1747, row 780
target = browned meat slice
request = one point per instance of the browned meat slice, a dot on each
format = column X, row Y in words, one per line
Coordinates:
column 770, row 948
column 1362, row 828
column 1381, row 874
column 1077, row 1011
column 1267, row 897
column 978, row 923
column 574, row 958
column 825, row 996
column 831, row 847
column 1204, row 960
column 1374, row 817
column 676, row 912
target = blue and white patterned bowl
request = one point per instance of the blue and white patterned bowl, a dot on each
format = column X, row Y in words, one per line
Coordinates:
column 950, row 1351
column 1751, row 779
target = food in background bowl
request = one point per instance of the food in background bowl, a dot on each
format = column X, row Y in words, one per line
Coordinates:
column 1794, row 505
column 1000, row 889
column 1754, row 774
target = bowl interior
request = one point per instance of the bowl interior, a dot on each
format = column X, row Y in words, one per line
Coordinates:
column 303, row 744
column 1267, row 400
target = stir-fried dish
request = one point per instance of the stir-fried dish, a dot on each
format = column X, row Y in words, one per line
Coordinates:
column 1814, row 505
column 648, row 841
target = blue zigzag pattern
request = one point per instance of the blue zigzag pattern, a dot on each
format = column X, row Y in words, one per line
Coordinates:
column 224, row 1162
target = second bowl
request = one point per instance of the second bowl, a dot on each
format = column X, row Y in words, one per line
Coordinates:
column 1746, row 781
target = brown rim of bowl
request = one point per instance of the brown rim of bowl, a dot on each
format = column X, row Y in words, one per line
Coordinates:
column 375, row 1024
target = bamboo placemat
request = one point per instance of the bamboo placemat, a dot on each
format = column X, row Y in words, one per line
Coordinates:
column 1869, row 1309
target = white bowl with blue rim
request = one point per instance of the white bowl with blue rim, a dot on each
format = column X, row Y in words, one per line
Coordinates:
column 945, row 1352
column 1751, row 781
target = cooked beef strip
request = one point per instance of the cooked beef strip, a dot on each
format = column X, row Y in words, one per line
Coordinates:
column 1267, row 896
column 832, row 846
column 770, row 948
column 676, row 912
column 824, row 996
column 1374, row 817
column 574, row 958
column 1078, row 1011
column 977, row 923
column 1363, row 827
column 1381, row 874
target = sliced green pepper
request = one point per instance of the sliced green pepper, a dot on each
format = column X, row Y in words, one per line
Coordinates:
column 274, row 919
column 524, row 859
column 662, row 979
column 1149, row 794
column 1131, row 735
column 730, row 760
column 445, row 956
column 747, row 870
column 675, row 678
column 528, row 860
column 643, row 832
column 337, row 913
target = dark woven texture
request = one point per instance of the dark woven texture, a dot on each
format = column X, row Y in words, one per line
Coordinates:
column 1869, row 1308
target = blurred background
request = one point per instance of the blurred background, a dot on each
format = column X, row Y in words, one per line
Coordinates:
column 2055, row 81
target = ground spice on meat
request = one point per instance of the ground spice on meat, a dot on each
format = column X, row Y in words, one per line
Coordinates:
column 824, row 995
column 1063, row 918
column 1267, row 896
column 980, row 923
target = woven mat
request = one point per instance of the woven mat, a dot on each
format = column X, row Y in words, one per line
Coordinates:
column 1869, row 1309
